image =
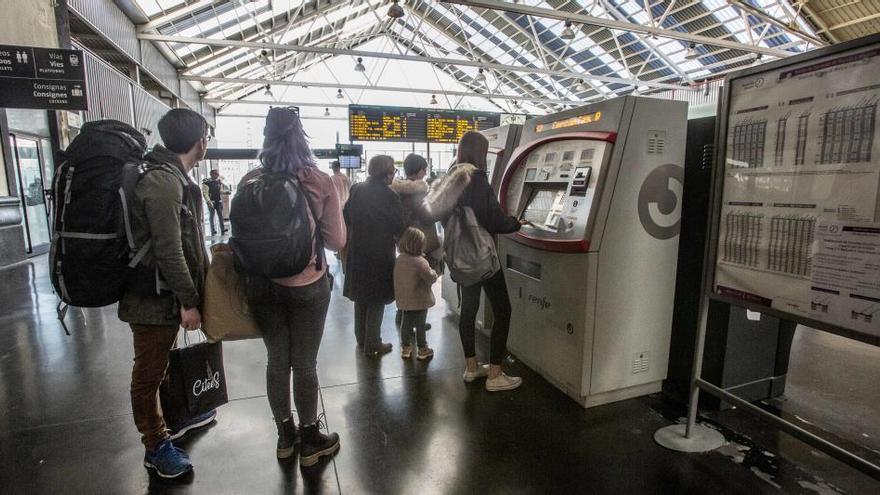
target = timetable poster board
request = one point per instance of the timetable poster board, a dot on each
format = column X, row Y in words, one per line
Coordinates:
column 800, row 215
column 382, row 123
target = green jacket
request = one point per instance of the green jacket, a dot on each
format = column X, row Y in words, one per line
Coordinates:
column 168, row 214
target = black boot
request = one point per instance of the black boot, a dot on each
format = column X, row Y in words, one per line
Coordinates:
column 287, row 438
column 316, row 445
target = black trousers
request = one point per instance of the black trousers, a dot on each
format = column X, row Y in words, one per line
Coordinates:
column 496, row 291
column 217, row 210
column 368, row 325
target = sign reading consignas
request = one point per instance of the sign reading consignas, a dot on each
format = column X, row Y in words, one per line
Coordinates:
column 42, row 78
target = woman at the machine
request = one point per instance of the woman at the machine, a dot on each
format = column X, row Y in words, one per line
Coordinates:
column 468, row 185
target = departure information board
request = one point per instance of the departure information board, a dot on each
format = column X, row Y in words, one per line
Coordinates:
column 377, row 123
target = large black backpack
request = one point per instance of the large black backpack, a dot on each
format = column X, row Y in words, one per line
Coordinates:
column 271, row 235
column 92, row 248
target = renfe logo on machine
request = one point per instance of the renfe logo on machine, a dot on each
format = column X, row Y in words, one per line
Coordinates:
column 541, row 302
column 660, row 201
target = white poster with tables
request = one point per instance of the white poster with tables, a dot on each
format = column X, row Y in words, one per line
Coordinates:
column 802, row 159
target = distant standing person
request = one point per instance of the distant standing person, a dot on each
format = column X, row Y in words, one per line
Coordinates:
column 467, row 185
column 340, row 182
column 375, row 221
column 342, row 185
column 212, row 190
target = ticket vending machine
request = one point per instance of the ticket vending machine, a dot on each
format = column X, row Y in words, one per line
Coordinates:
column 592, row 278
column 502, row 141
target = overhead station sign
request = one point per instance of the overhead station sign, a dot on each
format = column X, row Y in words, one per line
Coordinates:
column 42, row 78
column 382, row 123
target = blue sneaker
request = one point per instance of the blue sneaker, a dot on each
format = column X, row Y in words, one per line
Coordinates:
column 167, row 460
column 179, row 430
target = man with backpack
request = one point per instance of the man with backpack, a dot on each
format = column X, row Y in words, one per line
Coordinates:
column 165, row 289
column 212, row 190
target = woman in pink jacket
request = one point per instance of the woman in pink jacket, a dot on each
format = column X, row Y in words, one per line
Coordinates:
column 291, row 311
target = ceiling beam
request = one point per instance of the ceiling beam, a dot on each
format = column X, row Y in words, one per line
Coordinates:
column 231, row 101
column 175, row 15
column 254, row 34
column 853, row 22
column 739, row 4
column 291, row 63
column 302, row 117
column 819, row 23
column 380, row 55
column 619, row 25
column 510, row 79
column 393, row 89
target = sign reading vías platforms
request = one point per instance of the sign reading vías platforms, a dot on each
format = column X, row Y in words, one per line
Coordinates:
column 47, row 78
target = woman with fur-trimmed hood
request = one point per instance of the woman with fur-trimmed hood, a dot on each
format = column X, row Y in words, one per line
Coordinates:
column 467, row 184
column 412, row 192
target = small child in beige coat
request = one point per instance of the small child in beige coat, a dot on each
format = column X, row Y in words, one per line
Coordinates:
column 413, row 278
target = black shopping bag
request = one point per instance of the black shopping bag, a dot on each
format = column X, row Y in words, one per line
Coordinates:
column 195, row 382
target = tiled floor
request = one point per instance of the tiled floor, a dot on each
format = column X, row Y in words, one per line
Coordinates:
column 406, row 427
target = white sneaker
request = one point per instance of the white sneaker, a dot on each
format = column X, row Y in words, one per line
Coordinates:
column 503, row 382
column 482, row 372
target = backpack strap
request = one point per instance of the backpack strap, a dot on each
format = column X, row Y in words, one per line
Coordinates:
column 318, row 237
column 144, row 169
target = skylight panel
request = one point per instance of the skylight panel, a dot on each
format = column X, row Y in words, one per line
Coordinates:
column 150, row 7
column 169, row 4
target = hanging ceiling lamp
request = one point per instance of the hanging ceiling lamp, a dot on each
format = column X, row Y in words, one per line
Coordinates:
column 268, row 92
column 359, row 66
column 568, row 32
column 339, row 94
column 582, row 85
column 395, row 11
column 691, row 53
column 433, row 99
column 326, row 112
column 516, row 104
column 263, row 57
column 481, row 76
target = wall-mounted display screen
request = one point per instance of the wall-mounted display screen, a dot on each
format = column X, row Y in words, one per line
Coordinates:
column 350, row 162
column 349, row 149
column 381, row 123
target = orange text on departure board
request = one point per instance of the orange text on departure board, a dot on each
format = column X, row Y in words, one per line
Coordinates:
column 389, row 127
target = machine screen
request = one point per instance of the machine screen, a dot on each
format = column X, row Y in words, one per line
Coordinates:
column 544, row 208
column 491, row 160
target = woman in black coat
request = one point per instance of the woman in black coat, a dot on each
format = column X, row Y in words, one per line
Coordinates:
column 374, row 217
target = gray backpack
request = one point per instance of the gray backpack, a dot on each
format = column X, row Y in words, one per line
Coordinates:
column 468, row 248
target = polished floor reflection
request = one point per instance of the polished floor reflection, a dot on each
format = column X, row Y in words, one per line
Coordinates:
column 406, row 427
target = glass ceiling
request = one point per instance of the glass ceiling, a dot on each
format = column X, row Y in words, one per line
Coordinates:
column 553, row 70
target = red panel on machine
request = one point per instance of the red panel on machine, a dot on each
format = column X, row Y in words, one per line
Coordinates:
column 517, row 160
